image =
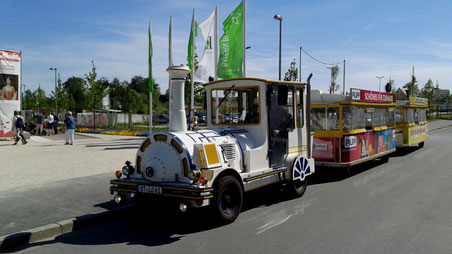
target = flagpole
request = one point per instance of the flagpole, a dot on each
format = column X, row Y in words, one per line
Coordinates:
column 216, row 64
column 244, row 32
column 215, row 39
column 170, row 63
column 192, row 73
column 150, row 77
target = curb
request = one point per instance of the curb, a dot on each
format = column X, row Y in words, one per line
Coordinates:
column 441, row 127
column 50, row 231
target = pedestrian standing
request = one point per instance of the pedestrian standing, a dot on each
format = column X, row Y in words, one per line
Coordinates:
column 17, row 128
column 39, row 121
column 51, row 122
column 55, row 124
column 69, row 122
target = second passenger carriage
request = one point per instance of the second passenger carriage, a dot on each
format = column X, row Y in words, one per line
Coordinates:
column 351, row 129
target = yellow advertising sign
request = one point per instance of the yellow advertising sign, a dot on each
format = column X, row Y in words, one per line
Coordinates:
column 418, row 101
column 414, row 134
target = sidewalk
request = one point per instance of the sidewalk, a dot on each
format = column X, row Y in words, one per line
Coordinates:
column 45, row 181
column 46, row 186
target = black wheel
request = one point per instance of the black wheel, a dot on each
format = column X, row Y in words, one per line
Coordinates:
column 227, row 199
column 421, row 144
column 297, row 188
column 385, row 159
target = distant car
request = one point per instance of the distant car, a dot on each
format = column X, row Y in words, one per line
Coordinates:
column 235, row 118
column 202, row 117
column 162, row 118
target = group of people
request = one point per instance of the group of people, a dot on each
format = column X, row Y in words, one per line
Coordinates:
column 45, row 124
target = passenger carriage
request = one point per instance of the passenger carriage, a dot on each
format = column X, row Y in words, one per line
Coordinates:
column 411, row 122
column 351, row 129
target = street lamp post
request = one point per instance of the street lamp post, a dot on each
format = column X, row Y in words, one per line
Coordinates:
column 379, row 82
column 278, row 17
column 56, row 91
column 22, row 96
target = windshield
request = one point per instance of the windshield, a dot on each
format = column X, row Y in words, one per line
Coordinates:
column 235, row 105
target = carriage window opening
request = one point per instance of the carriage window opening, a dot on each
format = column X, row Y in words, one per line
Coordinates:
column 332, row 119
column 347, row 122
column 300, row 120
column 358, row 118
column 235, row 106
column 368, row 115
column 398, row 116
column 390, row 116
column 318, row 119
column 409, row 115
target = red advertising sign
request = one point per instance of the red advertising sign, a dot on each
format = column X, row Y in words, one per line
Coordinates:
column 371, row 96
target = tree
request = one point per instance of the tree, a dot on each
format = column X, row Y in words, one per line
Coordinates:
column 115, row 93
column 199, row 92
column 60, row 96
column 140, row 84
column 427, row 91
column 411, row 86
column 292, row 73
column 97, row 89
column 334, row 72
column 75, row 88
column 40, row 99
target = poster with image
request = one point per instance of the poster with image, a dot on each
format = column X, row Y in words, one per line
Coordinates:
column 10, row 71
column 9, row 87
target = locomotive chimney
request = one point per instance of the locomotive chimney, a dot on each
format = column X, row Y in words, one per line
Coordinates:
column 177, row 75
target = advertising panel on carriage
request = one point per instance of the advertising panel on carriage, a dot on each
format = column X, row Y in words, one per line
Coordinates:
column 411, row 119
column 10, row 70
column 353, row 129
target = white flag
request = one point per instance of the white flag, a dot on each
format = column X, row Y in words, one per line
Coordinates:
column 206, row 67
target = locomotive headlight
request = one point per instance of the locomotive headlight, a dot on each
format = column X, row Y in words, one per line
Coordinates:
column 125, row 170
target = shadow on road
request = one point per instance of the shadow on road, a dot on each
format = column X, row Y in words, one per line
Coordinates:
column 329, row 174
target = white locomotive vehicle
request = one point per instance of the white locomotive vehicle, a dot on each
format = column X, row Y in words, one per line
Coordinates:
column 258, row 134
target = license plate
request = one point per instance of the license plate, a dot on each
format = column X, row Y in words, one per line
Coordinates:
column 150, row 189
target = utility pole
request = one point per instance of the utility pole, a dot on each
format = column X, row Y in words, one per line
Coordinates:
column 343, row 82
column 379, row 82
column 300, row 63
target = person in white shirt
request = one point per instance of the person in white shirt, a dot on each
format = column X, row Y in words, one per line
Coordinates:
column 50, row 122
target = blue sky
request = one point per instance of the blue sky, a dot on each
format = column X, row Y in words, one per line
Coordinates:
column 377, row 38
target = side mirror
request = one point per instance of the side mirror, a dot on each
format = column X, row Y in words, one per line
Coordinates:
column 283, row 92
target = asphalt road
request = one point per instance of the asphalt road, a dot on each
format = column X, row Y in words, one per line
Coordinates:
column 404, row 206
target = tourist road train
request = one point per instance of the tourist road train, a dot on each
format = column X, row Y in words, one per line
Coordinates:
column 265, row 139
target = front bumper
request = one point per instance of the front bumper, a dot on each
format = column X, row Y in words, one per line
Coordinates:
column 168, row 190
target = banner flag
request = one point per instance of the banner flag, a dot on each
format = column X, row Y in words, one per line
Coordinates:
column 151, row 80
column 206, row 67
column 10, row 89
column 192, row 44
column 231, row 45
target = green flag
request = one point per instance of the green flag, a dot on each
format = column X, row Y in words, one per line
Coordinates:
column 191, row 44
column 151, row 80
column 231, row 46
